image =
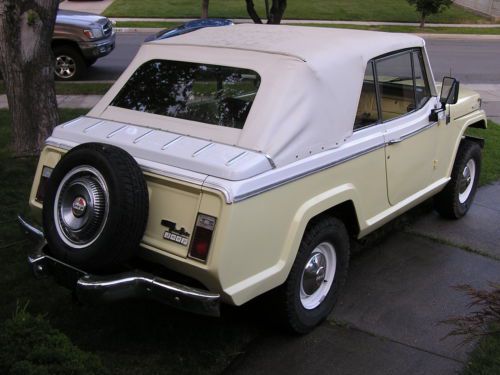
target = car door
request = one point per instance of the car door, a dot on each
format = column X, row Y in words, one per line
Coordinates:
column 405, row 103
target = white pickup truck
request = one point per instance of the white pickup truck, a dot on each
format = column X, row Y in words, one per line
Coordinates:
column 231, row 161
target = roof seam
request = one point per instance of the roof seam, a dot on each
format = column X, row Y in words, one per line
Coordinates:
column 229, row 47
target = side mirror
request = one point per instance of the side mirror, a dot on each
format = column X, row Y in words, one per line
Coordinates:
column 449, row 91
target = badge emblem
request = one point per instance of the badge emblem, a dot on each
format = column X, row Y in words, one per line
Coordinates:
column 79, row 207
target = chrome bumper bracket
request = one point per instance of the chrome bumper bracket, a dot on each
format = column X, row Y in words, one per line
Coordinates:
column 94, row 289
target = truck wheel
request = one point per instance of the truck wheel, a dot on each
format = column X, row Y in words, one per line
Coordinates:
column 69, row 64
column 95, row 208
column 319, row 270
column 455, row 200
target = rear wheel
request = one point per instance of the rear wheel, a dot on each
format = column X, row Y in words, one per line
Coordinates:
column 456, row 198
column 320, row 269
column 69, row 64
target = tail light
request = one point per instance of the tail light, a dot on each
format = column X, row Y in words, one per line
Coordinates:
column 40, row 193
column 202, row 238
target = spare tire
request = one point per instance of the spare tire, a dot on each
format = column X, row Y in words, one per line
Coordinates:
column 95, row 208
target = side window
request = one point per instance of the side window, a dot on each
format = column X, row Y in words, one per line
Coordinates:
column 422, row 90
column 395, row 83
column 367, row 113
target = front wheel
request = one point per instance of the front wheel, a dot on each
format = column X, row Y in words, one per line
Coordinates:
column 320, row 269
column 456, row 198
column 69, row 64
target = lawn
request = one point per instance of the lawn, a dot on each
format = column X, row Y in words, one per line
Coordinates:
column 131, row 337
column 485, row 359
column 386, row 28
column 339, row 10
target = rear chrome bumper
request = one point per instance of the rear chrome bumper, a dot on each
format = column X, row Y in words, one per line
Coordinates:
column 94, row 289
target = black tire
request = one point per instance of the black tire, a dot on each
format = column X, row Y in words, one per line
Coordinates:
column 69, row 64
column 455, row 199
column 105, row 229
column 296, row 317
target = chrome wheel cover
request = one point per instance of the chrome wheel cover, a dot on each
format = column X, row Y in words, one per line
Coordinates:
column 65, row 67
column 467, row 181
column 81, row 206
column 317, row 276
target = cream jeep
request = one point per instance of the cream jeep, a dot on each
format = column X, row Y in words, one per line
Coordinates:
column 231, row 161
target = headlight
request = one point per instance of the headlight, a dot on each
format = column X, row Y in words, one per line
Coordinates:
column 93, row 33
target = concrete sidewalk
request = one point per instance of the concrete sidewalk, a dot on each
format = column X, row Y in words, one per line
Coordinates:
column 86, row 6
column 387, row 318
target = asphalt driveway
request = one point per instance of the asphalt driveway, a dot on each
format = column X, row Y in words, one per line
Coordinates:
column 387, row 319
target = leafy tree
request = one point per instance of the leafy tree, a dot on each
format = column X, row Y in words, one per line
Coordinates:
column 27, row 67
column 429, row 7
column 274, row 13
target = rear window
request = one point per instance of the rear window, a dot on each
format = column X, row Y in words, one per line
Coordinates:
column 212, row 94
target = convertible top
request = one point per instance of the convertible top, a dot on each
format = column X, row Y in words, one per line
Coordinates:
column 308, row 97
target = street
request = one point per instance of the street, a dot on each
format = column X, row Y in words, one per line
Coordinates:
column 468, row 60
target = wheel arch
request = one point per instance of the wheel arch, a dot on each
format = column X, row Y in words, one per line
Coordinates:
column 340, row 202
column 64, row 43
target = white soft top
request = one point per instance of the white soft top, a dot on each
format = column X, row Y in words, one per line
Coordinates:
column 307, row 100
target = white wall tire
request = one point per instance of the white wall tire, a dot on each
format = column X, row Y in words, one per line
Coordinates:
column 320, row 269
column 456, row 198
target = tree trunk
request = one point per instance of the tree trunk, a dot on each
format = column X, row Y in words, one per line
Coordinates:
column 422, row 20
column 252, row 12
column 204, row 8
column 26, row 63
column 277, row 10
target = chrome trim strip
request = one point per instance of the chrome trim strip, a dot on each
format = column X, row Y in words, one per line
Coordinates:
column 116, row 131
column 236, row 158
column 93, row 126
column 69, row 123
column 411, row 134
column 58, row 145
column 239, row 198
column 33, row 232
column 164, row 147
column 271, row 161
column 204, row 148
column 467, row 114
column 171, row 175
column 138, row 139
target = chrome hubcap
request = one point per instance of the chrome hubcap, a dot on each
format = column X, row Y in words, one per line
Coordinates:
column 81, row 206
column 467, row 181
column 65, row 66
column 318, row 275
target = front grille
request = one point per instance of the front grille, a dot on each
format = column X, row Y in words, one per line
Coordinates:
column 107, row 29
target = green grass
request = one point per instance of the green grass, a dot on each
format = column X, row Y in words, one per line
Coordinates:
column 485, row 359
column 340, row 10
column 73, row 88
column 141, row 24
column 490, row 169
column 133, row 337
column 386, row 28
column 414, row 29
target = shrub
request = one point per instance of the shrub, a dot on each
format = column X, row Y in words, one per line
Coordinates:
column 30, row 346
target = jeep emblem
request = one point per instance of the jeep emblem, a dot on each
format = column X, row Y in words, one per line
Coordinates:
column 79, row 207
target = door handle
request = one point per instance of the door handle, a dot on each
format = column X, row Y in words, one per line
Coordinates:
column 394, row 141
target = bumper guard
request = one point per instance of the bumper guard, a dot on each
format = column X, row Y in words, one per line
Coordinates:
column 94, row 289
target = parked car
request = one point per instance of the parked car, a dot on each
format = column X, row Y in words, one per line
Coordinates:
column 232, row 161
column 79, row 40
